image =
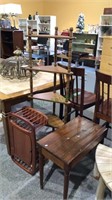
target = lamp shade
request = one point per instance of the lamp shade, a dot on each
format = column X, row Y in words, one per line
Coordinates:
column 11, row 8
column 2, row 9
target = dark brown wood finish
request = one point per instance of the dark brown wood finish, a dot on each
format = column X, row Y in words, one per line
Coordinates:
column 55, row 69
column 24, row 125
column 80, row 98
column 103, row 107
column 10, row 41
column 68, row 145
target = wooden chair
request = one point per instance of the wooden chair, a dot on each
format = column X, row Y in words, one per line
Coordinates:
column 103, row 111
column 79, row 97
column 24, row 128
column 103, row 107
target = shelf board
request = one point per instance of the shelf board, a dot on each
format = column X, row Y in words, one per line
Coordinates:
column 44, row 24
column 51, row 97
column 105, row 25
column 54, row 121
column 32, row 20
column 51, row 69
column 51, row 36
column 86, row 44
column 7, row 42
column 22, row 25
column 101, row 37
column 99, row 49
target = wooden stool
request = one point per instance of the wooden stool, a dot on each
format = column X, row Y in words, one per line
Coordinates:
column 68, row 145
column 104, row 167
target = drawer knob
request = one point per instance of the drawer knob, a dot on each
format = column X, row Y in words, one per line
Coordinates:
column 110, row 64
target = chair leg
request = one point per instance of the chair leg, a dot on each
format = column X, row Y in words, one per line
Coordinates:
column 100, row 190
column 96, row 174
column 76, row 113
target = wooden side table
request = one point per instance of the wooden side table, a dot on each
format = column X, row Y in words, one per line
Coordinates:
column 104, row 167
column 68, row 145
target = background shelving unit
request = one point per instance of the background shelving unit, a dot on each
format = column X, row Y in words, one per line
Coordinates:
column 43, row 24
column 23, row 27
column 105, row 29
column 47, row 24
column 85, row 43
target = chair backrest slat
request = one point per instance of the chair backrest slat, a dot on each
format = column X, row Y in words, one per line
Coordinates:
column 79, row 75
column 103, row 107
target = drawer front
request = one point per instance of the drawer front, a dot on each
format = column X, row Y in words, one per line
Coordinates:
column 107, row 47
column 106, row 64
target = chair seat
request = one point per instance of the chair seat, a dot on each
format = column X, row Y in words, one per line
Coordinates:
column 54, row 121
column 89, row 98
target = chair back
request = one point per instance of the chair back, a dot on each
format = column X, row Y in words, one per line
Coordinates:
column 103, row 107
column 77, row 93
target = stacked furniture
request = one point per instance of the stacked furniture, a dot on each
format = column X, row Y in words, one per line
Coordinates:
column 68, row 144
column 25, row 123
column 71, row 141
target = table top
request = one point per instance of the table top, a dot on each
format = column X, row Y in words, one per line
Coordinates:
column 23, row 92
column 69, row 141
column 104, row 163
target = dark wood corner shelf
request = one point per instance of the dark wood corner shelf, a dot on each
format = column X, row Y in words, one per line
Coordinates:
column 52, row 97
column 51, row 69
column 55, row 69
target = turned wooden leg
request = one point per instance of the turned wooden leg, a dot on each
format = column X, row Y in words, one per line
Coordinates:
column 41, row 169
column 100, row 190
column 96, row 174
column 66, row 183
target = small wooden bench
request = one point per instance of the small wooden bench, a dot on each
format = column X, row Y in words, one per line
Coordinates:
column 68, row 145
column 104, row 167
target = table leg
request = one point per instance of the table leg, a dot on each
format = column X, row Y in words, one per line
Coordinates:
column 66, row 183
column 100, row 189
column 41, row 164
